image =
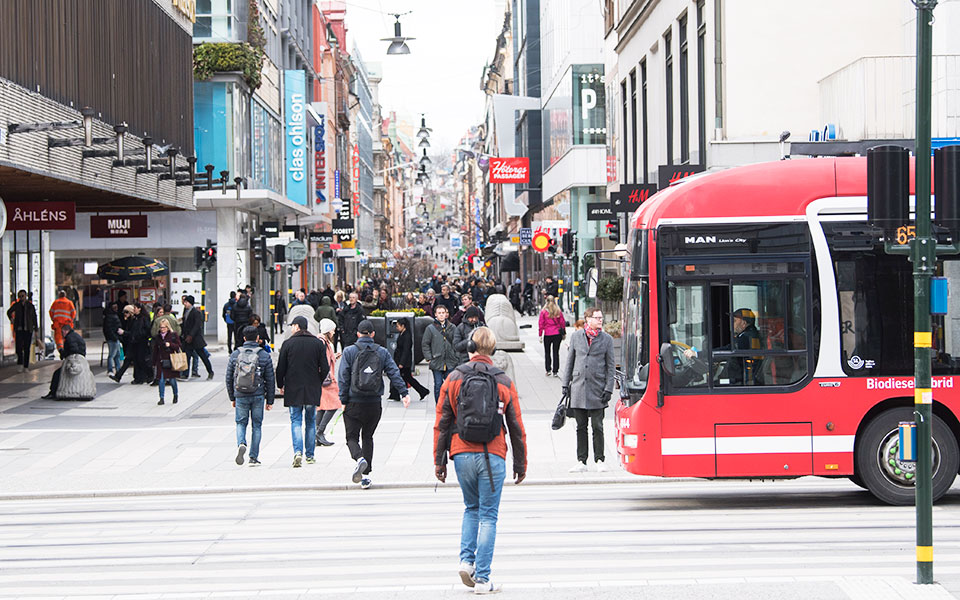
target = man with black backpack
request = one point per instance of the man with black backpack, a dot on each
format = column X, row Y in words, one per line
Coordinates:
column 360, row 378
column 250, row 380
column 475, row 401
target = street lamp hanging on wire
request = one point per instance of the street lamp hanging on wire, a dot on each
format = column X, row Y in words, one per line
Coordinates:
column 398, row 43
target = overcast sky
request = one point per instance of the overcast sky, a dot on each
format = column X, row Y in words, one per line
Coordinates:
column 441, row 75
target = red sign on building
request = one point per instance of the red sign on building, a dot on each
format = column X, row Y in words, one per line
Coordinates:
column 34, row 216
column 118, row 226
column 510, row 170
column 356, row 180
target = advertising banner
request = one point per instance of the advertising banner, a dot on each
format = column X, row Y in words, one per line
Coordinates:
column 599, row 211
column 294, row 93
column 118, row 226
column 35, row 216
column 510, row 170
column 667, row 174
column 629, row 197
column 320, row 155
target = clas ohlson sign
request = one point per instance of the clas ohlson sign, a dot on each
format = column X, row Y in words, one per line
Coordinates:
column 295, row 102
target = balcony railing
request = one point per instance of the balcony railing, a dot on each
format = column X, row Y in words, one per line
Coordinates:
column 874, row 97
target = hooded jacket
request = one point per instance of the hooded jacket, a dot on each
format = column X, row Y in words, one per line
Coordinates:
column 325, row 311
column 345, row 372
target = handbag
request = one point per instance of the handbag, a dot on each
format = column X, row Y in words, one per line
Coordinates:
column 560, row 415
column 178, row 361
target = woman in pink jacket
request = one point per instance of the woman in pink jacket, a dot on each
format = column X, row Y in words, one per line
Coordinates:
column 330, row 392
column 553, row 328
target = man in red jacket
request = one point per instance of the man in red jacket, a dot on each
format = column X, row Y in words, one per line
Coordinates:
column 481, row 467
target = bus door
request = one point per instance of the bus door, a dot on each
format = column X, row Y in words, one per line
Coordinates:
column 736, row 348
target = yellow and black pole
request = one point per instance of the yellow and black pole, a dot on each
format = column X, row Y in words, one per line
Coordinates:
column 924, row 255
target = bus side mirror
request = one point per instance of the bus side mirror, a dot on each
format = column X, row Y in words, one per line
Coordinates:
column 666, row 359
column 593, row 282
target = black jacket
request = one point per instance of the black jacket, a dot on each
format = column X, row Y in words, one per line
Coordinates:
column 73, row 344
column 23, row 316
column 241, row 312
column 111, row 323
column 136, row 330
column 301, row 369
column 344, row 375
column 192, row 331
column 403, row 355
column 350, row 318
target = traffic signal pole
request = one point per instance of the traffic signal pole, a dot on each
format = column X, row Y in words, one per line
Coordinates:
column 924, row 256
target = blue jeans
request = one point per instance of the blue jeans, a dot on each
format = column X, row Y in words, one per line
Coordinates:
column 478, row 532
column 113, row 355
column 249, row 407
column 303, row 419
column 438, row 378
column 161, row 384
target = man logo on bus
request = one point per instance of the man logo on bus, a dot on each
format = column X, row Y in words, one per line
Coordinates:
column 700, row 239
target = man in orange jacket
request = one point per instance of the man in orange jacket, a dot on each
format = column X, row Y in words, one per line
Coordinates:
column 62, row 312
column 478, row 446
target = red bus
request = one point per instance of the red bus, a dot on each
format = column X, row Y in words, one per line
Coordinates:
column 766, row 334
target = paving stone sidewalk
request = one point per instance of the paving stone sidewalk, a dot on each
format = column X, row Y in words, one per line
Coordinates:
column 123, row 442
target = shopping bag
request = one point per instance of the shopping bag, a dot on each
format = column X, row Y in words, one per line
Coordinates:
column 178, row 361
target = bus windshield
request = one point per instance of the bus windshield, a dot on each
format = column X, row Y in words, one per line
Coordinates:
column 636, row 318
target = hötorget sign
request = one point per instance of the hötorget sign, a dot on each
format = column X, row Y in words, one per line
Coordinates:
column 295, row 251
column 510, row 170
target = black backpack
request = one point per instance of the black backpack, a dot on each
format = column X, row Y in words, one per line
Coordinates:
column 479, row 414
column 367, row 376
column 247, row 378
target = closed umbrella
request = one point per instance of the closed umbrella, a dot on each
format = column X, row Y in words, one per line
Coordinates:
column 130, row 268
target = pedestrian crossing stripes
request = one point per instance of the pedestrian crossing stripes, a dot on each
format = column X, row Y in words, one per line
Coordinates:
column 405, row 541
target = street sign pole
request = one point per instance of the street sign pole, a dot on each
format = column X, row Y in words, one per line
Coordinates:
column 924, row 263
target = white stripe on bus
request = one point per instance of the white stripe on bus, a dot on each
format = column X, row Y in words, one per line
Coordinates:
column 774, row 444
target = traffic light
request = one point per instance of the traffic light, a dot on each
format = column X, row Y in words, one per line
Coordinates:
column 197, row 257
column 260, row 248
column 566, row 242
column 613, row 230
column 210, row 255
column 279, row 253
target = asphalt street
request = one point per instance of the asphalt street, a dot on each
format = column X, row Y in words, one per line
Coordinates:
column 801, row 539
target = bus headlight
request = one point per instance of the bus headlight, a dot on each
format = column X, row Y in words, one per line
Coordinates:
column 629, row 440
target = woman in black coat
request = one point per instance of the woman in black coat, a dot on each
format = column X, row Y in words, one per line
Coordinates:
column 403, row 356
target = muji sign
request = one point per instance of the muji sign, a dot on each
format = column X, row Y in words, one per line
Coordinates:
column 510, row 170
column 118, row 226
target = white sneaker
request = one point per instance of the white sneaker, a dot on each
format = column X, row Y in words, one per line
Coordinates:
column 602, row 467
column 241, row 450
column 578, row 468
column 297, row 460
column 486, row 587
column 466, row 574
column 365, row 483
column 358, row 470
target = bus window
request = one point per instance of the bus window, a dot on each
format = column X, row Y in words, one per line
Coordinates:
column 767, row 329
column 686, row 333
column 875, row 298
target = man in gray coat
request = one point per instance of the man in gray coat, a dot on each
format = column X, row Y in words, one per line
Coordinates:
column 438, row 348
column 588, row 378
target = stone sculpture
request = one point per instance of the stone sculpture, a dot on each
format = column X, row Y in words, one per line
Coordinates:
column 502, row 320
column 76, row 379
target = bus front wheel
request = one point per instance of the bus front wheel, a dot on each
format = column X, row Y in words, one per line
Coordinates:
column 893, row 481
